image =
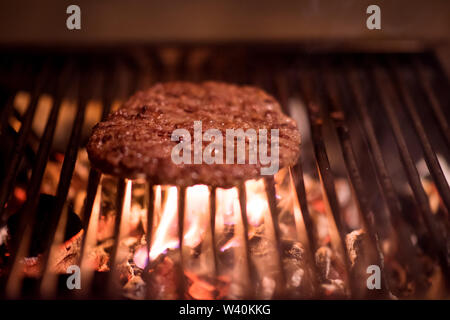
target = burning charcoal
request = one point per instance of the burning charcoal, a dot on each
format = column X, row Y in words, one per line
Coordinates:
column 164, row 280
column 32, row 267
column 3, row 252
column 264, row 255
column 125, row 272
column 67, row 254
column 7, row 145
column 266, row 287
column 261, row 246
column 360, row 256
column 398, row 279
column 331, row 273
column 3, row 235
column 135, row 288
column 323, row 262
column 79, row 179
column 335, row 288
column 42, row 224
column 206, row 288
column 126, row 248
column 98, row 258
column 321, row 232
column 354, row 241
column 226, row 252
column 196, row 251
column 298, row 275
column 106, row 226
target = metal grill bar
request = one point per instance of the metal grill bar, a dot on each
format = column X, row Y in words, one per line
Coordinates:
column 394, row 93
column 149, row 233
column 69, row 159
column 341, row 127
column 90, row 236
column 19, row 71
column 46, row 142
column 310, row 94
column 275, row 213
column 390, row 102
column 24, row 132
column 433, row 99
column 28, row 214
column 181, row 209
column 428, row 150
column 212, row 223
column 111, row 283
column 387, row 188
column 307, row 219
column 118, row 220
column 250, row 267
column 109, row 88
column 91, row 192
column 283, row 92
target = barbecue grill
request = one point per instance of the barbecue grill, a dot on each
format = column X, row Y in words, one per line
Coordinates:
column 376, row 121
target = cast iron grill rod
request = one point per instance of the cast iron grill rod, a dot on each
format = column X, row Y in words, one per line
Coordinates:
column 340, row 123
column 24, row 132
column 19, row 72
column 302, row 203
column 109, row 88
column 384, row 179
column 89, row 240
column 47, row 139
column 307, row 219
column 111, row 280
column 21, row 243
column 282, row 89
column 181, row 213
column 275, row 214
column 149, row 233
column 428, row 151
column 389, row 100
column 70, row 158
column 46, row 142
column 433, row 99
column 212, row 223
column 309, row 92
column 44, row 149
column 48, row 279
column 91, row 194
column 250, row 267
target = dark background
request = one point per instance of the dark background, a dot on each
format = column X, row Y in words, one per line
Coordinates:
column 138, row 21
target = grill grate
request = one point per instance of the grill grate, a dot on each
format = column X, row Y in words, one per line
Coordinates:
column 341, row 89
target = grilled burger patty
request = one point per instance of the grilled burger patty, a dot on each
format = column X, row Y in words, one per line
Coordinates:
column 136, row 140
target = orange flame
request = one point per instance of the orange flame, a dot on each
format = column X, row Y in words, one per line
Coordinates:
column 196, row 224
column 197, row 208
column 165, row 236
